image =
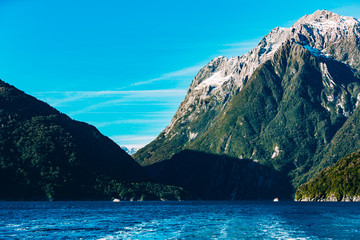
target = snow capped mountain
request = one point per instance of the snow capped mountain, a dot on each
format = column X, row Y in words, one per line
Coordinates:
column 323, row 34
column 129, row 151
column 222, row 78
column 325, row 27
column 333, row 35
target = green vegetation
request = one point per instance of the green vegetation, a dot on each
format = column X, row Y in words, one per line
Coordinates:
column 293, row 112
column 345, row 141
column 141, row 191
column 45, row 155
column 284, row 106
column 162, row 148
column 295, row 116
column 338, row 182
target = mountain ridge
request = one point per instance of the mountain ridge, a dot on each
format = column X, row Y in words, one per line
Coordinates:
column 45, row 155
column 206, row 101
column 302, row 90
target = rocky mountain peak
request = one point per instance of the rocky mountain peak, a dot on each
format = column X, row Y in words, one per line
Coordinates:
column 322, row 33
column 333, row 35
column 327, row 17
column 320, row 30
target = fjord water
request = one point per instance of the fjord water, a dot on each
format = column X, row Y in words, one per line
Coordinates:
column 179, row 220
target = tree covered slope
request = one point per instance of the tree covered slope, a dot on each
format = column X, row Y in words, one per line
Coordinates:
column 289, row 104
column 46, row 155
column 339, row 182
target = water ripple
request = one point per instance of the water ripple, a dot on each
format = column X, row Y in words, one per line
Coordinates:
column 179, row 220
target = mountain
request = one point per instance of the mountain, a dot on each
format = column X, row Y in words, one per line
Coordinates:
column 345, row 141
column 283, row 104
column 283, row 119
column 323, row 33
column 219, row 177
column 45, row 155
column 129, row 151
column 340, row 182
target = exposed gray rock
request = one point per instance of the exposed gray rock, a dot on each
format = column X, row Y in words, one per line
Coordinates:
column 323, row 33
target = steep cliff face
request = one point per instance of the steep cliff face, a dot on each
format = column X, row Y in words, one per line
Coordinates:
column 346, row 140
column 323, row 35
column 288, row 105
column 208, row 95
column 332, row 34
column 287, row 113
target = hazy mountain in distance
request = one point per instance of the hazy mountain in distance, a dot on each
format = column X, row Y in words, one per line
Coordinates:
column 129, row 151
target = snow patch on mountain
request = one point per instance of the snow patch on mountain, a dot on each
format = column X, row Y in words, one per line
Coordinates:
column 315, row 52
column 325, row 21
column 221, row 79
column 330, row 98
column 341, row 105
column 213, row 81
column 357, row 100
column 328, row 80
column 192, row 136
column 276, row 152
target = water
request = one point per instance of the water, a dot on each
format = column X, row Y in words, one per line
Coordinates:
column 179, row 220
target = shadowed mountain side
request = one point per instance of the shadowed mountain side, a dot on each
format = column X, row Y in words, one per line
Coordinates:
column 44, row 154
column 289, row 104
column 288, row 112
column 310, row 84
column 218, row 177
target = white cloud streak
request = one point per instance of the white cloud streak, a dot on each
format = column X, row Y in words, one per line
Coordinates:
column 130, row 100
column 185, row 72
column 127, row 121
column 251, row 43
column 72, row 96
column 238, row 48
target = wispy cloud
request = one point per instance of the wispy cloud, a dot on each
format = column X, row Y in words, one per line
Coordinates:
column 147, row 114
column 250, row 43
column 185, row 72
column 238, row 48
column 58, row 98
column 128, row 121
column 90, row 94
column 136, row 98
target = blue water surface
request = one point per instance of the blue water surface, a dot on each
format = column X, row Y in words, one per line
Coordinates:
column 179, row 220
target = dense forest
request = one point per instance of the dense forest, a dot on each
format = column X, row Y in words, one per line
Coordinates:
column 339, row 182
column 45, row 155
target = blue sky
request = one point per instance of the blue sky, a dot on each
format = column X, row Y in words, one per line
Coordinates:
column 125, row 66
